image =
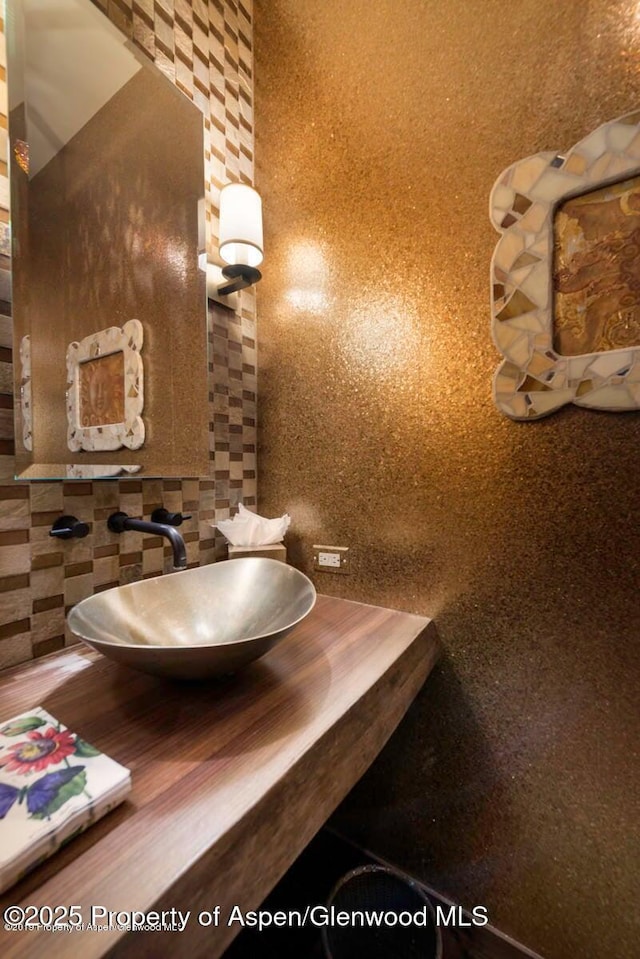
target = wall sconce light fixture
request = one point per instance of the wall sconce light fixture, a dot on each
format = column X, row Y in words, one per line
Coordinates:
column 240, row 236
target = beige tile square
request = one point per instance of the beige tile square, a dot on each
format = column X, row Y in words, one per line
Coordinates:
column 183, row 10
column 190, row 490
column 6, row 379
column 106, row 569
column 130, row 542
column 193, row 552
column 203, row 10
column 131, row 503
column 7, row 467
column 172, row 500
column 250, row 487
column 130, row 574
column 190, row 525
column 235, row 470
column 15, row 605
column 201, row 41
column 14, row 514
column 153, row 560
column 79, row 506
column 77, row 588
column 6, row 326
column 15, row 559
column 46, row 497
column 15, row 649
column 47, row 582
column 152, row 491
column 205, row 528
column 47, row 624
column 222, row 460
column 44, row 545
column 105, row 495
column 102, row 535
column 147, row 7
column 207, row 499
column 78, row 550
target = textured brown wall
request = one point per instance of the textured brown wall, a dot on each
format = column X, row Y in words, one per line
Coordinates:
column 205, row 48
column 380, row 131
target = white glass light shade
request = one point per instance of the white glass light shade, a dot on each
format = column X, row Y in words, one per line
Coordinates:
column 240, row 225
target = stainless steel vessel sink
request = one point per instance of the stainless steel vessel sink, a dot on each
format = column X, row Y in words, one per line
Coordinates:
column 198, row 623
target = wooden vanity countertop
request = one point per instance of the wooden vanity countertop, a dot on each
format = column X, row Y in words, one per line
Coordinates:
column 231, row 778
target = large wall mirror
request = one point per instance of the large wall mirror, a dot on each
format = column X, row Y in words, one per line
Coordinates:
column 109, row 305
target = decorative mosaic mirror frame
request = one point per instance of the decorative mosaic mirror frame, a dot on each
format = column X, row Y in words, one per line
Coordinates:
column 108, row 436
column 534, row 379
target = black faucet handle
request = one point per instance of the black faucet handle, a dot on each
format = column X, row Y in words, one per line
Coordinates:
column 116, row 522
column 162, row 515
column 69, row 527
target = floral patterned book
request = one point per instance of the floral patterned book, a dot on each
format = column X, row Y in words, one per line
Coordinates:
column 53, row 785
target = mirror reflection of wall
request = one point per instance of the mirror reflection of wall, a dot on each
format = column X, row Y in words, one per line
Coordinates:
column 106, row 175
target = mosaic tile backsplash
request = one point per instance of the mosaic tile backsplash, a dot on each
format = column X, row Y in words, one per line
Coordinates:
column 205, row 48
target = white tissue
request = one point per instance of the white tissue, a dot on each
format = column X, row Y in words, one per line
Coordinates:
column 249, row 529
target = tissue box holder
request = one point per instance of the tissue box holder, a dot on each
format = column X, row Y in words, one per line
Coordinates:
column 273, row 551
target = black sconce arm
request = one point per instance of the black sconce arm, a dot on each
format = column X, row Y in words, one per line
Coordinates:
column 242, row 276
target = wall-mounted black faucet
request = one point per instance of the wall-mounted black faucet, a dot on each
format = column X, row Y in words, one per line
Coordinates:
column 68, row 527
column 162, row 515
column 120, row 522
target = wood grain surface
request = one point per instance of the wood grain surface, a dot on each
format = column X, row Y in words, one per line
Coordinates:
column 231, row 778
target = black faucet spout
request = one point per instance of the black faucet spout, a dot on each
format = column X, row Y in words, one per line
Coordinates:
column 119, row 522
